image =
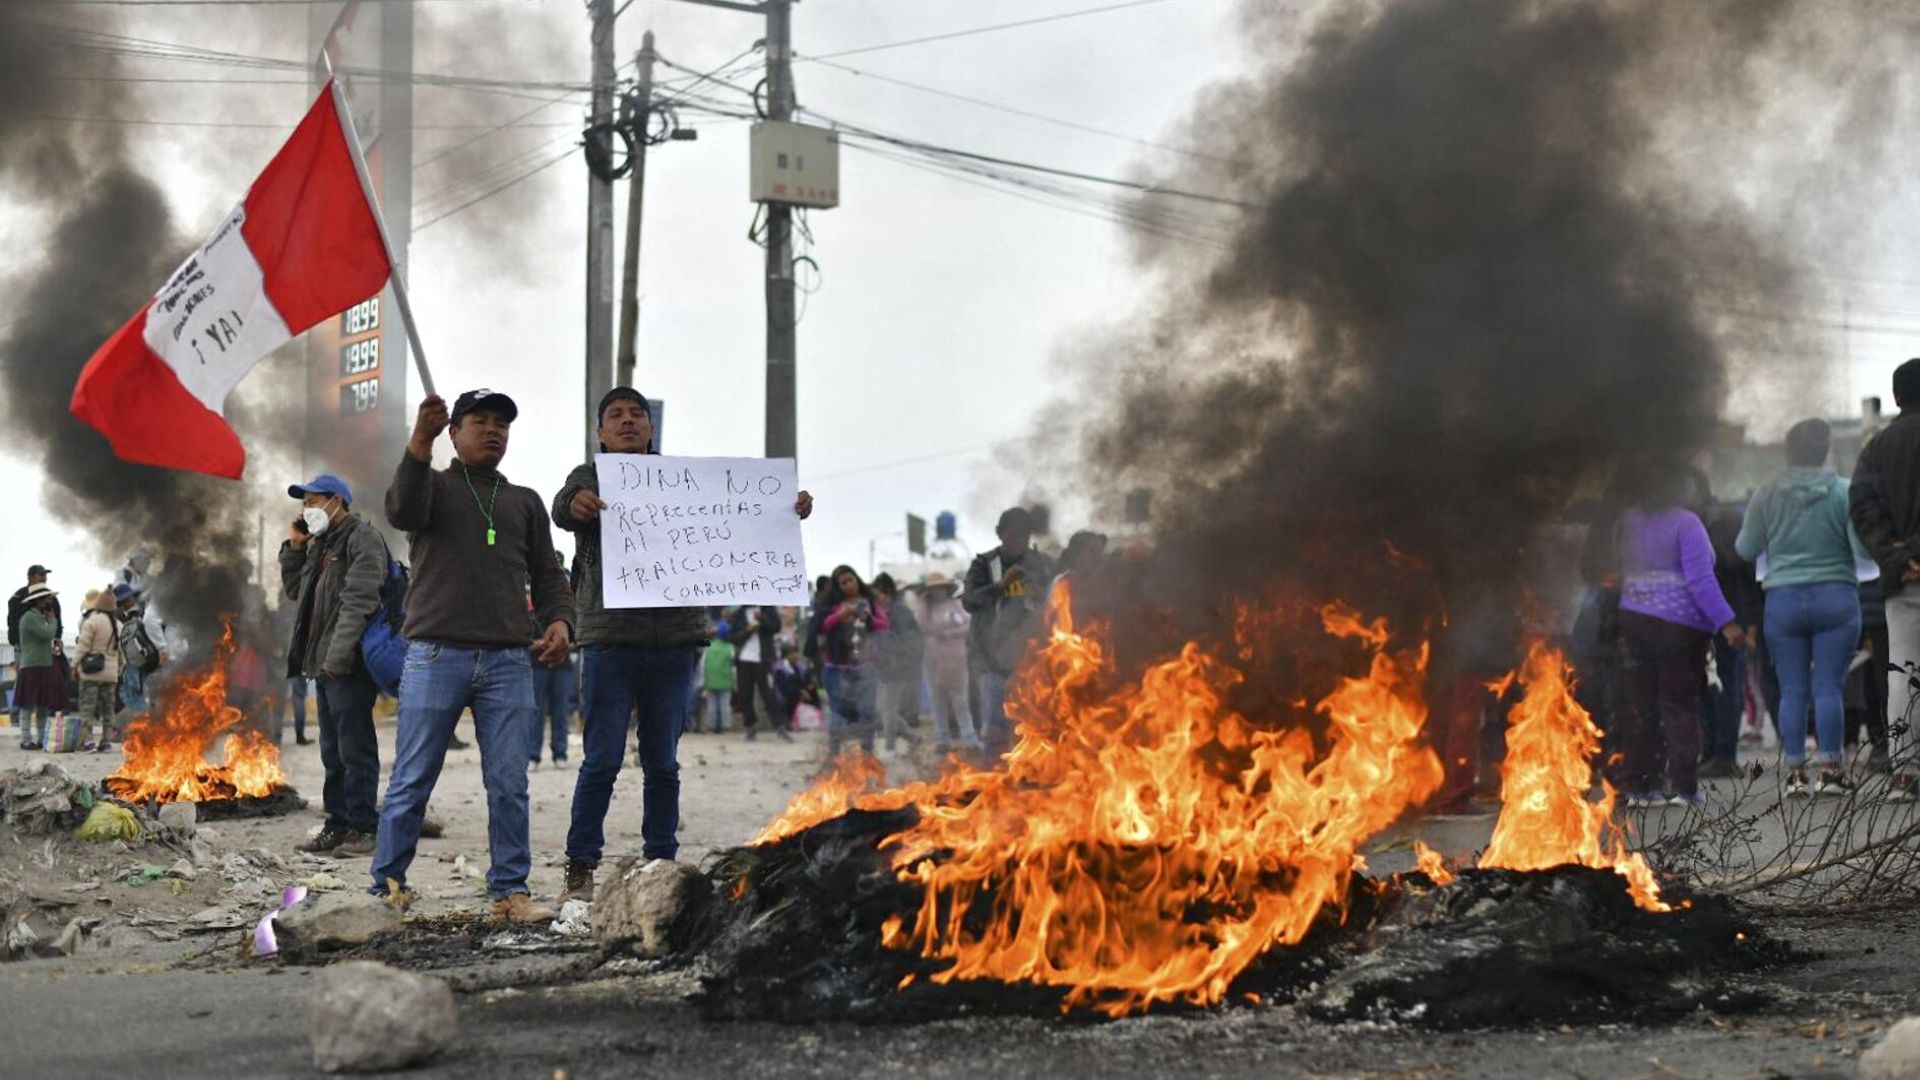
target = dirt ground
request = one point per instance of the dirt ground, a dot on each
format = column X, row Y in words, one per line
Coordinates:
column 153, row 994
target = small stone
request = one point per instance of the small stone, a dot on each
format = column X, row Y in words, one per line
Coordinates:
column 1896, row 1056
column 651, row 905
column 369, row 1017
column 179, row 816
column 334, row 920
column 183, row 869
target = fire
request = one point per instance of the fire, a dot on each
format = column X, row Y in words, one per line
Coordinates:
column 855, row 776
column 166, row 751
column 1145, row 844
column 1433, row 864
column 1546, row 818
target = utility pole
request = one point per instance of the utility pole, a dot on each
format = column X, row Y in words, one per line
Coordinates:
column 642, row 112
column 781, row 359
column 599, row 360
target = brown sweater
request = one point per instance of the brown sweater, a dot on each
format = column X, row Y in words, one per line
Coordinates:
column 465, row 592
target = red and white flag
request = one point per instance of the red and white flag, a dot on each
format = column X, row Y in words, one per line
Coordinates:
column 304, row 245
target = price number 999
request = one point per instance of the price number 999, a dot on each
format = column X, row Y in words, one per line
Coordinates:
column 359, row 357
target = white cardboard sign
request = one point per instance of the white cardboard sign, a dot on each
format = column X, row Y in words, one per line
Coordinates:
column 699, row 532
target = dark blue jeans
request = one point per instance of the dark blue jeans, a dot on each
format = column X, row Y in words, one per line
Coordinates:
column 853, row 706
column 621, row 678
column 349, row 752
column 437, row 684
column 1727, row 706
column 1812, row 631
column 553, row 698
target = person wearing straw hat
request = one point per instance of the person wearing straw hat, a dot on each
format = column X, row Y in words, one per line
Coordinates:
column 98, row 646
column 40, row 693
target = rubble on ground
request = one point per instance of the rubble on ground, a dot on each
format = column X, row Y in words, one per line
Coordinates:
column 1896, row 1056
column 650, row 906
column 368, row 1017
column 329, row 921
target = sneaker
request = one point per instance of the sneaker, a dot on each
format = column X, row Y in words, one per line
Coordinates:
column 784, row 735
column 1904, row 789
column 302, row 740
column 1698, row 798
column 354, row 845
column 579, row 881
column 102, row 746
column 455, row 742
column 520, row 908
column 1640, row 800
column 324, row 843
column 1796, row 783
column 1833, row 783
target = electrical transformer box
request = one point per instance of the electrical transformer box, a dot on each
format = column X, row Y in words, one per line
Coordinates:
column 795, row 164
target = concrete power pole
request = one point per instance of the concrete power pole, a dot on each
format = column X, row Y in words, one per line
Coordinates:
column 782, row 440
column 636, row 197
column 599, row 360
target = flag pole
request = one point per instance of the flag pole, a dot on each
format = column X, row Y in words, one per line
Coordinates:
column 380, row 220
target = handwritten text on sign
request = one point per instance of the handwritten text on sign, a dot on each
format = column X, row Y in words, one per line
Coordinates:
column 692, row 532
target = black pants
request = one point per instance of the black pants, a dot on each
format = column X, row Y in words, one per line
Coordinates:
column 755, row 683
column 349, row 752
column 1664, row 675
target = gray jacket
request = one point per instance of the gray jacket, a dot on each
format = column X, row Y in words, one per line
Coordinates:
column 334, row 583
column 651, row 628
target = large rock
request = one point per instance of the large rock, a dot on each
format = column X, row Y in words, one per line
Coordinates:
column 369, row 1017
column 334, row 920
column 1895, row 1057
column 651, row 905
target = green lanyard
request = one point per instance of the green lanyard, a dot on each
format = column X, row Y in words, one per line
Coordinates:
column 487, row 510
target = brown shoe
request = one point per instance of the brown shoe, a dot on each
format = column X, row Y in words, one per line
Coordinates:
column 354, row 845
column 520, row 908
column 579, row 882
column 324, row 843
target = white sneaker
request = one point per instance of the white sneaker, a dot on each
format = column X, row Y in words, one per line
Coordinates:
column 1797, row 784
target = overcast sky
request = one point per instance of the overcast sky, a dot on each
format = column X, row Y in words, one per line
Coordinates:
column 926, row 342
column 925, row 348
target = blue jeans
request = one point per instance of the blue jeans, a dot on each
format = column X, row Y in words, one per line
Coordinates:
column 438, row 682
column 1812, row 631
column 719, row 707
column 1728, row 705
column 297, row 697
column 553, row 699
column 852, row 704
column 996, row 732
column 620, row 678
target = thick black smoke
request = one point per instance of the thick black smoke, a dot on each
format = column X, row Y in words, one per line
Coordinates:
column 108, row 245
column 1460, row 298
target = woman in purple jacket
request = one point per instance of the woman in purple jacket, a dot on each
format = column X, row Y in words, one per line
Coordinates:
column 1670, row 607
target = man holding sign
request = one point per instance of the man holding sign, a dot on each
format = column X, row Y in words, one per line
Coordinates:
column 658, row 540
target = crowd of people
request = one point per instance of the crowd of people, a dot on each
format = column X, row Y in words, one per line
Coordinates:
column 1704, row 619
column 1690, row 602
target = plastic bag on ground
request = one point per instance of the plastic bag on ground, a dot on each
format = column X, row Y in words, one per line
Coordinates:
column 108, row 821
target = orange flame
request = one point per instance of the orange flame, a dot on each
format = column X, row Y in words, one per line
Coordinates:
column 1433, row 864
column 1145, row 844
column 1546, row 818
column 855, row 776
column 166, row 752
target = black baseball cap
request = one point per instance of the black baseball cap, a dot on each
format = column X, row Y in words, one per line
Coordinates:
column 36, row 568
column 623, row 393
column 483, row 398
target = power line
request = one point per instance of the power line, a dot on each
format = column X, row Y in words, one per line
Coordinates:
column 979, row 30
column 457, row 147
column 1013, row 111
column 485, row 195
column 224, row 3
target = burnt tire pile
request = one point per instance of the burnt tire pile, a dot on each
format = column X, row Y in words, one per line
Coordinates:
column 797, row 939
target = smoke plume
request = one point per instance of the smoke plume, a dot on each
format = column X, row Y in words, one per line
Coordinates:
column 1484, row 262
column 109, row 242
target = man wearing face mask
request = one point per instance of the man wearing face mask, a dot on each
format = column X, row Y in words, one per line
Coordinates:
column 331, row 567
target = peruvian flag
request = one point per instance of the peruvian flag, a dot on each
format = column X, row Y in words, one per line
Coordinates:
column 304, row 245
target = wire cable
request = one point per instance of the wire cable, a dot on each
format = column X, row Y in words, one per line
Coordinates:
column 981, row 30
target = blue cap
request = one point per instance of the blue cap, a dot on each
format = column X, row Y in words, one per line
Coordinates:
column 121, row 592
column 324, row 484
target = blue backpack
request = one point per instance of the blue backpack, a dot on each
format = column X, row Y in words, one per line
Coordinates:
column 383, row 648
